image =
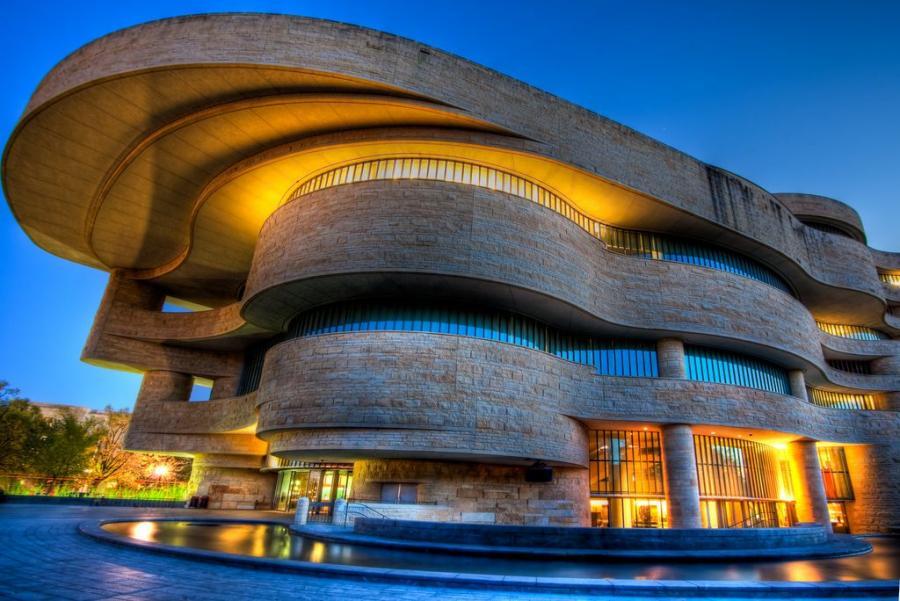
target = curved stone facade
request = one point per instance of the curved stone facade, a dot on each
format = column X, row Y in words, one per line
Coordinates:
column 823, row 210
column 576, row 246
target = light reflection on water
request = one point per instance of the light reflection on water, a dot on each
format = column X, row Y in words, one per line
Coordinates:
column 275, row 541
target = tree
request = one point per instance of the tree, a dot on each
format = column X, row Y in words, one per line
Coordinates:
column 154, row 469
column 61, row 447
column 111, row 462
column 109, row 456
column 18, row 423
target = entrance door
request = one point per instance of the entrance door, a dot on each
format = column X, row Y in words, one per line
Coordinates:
column 838, row 514
column 299, row 481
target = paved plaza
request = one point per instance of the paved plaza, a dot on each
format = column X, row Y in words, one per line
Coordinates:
column 42, row 556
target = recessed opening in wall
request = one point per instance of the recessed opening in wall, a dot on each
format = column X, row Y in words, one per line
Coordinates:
column 399, row 492
column 172, row 304
column 201, row 390
column 853, row 367
column 889, row 278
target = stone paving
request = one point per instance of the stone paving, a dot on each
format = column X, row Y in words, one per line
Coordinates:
column 43, row 557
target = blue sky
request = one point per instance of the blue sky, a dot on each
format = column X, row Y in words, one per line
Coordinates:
column 796, row 96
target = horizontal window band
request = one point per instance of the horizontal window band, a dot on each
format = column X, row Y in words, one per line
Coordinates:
column 850, row 331
column 647, row 245
column 710, row 365
column 613, row 357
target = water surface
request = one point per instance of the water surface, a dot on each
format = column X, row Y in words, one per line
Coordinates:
column 276, row 542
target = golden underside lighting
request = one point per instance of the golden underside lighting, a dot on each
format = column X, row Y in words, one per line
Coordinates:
column 890, row 278
column 851, row 331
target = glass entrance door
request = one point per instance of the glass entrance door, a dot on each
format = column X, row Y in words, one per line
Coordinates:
column 320, row 486
column 838, row 513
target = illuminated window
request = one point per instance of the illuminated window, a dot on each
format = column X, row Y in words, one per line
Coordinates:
column 626, row 479
column 856, row 332
column 841, row 400
column 709, row 365
column 610, row 357
column 643, row 244
column 835, row 474
column 625, row 462
column 890, row 278
column 628, row 512
column 739, row 484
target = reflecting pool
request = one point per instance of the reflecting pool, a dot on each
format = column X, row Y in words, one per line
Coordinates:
column 276, row 542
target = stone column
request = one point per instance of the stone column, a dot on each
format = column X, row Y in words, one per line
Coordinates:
column 224, row 387
column 670, row 355
column 302, row 512
column 680, row 470
column 615, row 509
column 339, row 517
column 798, row 384
column 159, row 385
column 809, row 488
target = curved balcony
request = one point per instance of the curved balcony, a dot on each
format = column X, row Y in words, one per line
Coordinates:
column 860, row 348
column 887, row 261
column 414, row 238
column 197, row 445
column 344, row 396
column 217, row 416
column 414, row 394
column 142, row 324
column 228, row 76
column 824, row 210
column 221, row 426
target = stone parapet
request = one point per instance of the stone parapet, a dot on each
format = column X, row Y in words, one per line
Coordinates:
column 635, row 539
column 826, row 210
column 447, row 244
column 362, row 396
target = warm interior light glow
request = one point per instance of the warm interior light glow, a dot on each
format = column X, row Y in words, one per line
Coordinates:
column 145, row 531
column 890, row 278
column 161, row 471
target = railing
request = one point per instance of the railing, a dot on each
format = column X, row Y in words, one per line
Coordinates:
column 851, row 331
column 320, row 512
column 648, row 245
column 842, row 400
column 357, row 510
column 853, row 367
column 763, row 519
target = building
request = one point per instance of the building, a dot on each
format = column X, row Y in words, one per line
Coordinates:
column 427, row 283
column 58, row 410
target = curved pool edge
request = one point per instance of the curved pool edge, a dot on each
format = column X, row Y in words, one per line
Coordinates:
column 843, row 547
column 868, row 589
